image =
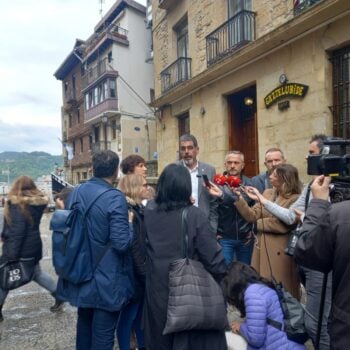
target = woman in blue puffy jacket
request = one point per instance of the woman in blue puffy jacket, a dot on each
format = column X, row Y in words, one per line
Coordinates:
column 255, row 297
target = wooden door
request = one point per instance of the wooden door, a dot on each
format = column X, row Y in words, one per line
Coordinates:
column 243, row 130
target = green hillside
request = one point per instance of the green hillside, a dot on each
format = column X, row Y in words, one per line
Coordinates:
column 33, row 164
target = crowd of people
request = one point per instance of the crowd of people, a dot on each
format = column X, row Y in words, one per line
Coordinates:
column 238, row 234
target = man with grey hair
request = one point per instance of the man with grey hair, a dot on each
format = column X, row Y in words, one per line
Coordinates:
column 202, row 198
column 235, row 235
column 273, row 157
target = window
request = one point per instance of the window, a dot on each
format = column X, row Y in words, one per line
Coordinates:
column 81, row 145
column 105, row 89
column 240, row 27
column 181, row 30
column 73, row 148
column 90, row 141
column 87, row 104
column 70, row 120
column 109, row 57
column 96, row 101
column 78, row 115
column 112, row 88
column 184, row 124
column 114, row 129
column 341, row 92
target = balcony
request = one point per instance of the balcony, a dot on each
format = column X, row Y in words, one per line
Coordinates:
column 70, row 96
column 230, row 36
column 110, row 104
column 101, row 146
column 97, row 71
column 110, row 33
column 176, row 73
column 166, row 4
column 303, row 5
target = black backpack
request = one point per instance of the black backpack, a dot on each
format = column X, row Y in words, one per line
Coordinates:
column 293, row 313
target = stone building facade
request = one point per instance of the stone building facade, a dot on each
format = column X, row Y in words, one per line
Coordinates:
column 217, row 63
column 107, row 85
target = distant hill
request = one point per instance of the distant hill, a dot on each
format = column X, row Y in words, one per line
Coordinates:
column 33, row 164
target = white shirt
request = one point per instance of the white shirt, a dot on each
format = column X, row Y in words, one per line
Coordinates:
column 194, row 181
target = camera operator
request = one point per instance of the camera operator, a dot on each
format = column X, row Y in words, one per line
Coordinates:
column 324, row 245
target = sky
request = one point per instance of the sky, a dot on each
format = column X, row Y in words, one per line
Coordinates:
column 35, row 38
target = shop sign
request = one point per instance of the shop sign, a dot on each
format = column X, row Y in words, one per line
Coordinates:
column 283, row 91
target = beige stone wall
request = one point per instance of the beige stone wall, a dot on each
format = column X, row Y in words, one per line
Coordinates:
column 304, row 61
column 142, row 141
column 205, row 16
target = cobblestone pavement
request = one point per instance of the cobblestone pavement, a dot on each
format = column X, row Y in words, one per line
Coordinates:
column 28, row 323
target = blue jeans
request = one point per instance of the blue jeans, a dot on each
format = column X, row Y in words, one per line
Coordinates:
column 40, row 277
column 130, row 318
column 236, row 248
column 95, row 329
column 313, row 286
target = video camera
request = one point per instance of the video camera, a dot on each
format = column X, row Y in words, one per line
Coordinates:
column 333, row 161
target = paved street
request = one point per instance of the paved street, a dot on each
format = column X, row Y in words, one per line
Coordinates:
column 28, row 323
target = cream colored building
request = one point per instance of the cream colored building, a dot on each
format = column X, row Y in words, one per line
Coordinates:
column 107, row 85
column 216, row 61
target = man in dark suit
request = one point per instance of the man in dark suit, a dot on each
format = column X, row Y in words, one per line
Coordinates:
column 188, row 154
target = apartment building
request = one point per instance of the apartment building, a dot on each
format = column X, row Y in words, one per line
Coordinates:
column 107, row 85
column 249, row 75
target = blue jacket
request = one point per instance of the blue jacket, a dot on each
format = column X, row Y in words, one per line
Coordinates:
column 262, row 302
column 112, row 285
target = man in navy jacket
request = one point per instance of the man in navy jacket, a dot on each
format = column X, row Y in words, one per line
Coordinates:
column 100, row 299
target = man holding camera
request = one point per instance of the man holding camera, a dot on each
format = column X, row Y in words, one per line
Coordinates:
column 235, row 235
column 324, row 245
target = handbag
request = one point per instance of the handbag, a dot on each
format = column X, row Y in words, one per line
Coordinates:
column 196, row 300
column 14, row 274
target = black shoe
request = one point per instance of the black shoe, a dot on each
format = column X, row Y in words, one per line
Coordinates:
column 57, row 306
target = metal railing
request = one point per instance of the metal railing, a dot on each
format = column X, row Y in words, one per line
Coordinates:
column 302, row 6
column 93, row 73
column 177, row 72
column 110, row 29
column 233, row 34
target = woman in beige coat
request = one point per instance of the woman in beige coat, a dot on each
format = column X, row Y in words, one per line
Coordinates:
column 273, row 235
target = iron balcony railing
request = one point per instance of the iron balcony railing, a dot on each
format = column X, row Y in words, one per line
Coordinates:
column 239, row 30
column 302, row 5
column 176, row 73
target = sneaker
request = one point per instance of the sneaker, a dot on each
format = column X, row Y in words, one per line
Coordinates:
column 57, row 306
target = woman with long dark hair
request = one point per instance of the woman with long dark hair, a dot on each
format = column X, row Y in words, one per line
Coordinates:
column 164, row 245
column 256, row 299
column 21, row 235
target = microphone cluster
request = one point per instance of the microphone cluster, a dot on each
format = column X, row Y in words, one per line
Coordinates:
column 232, row 181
